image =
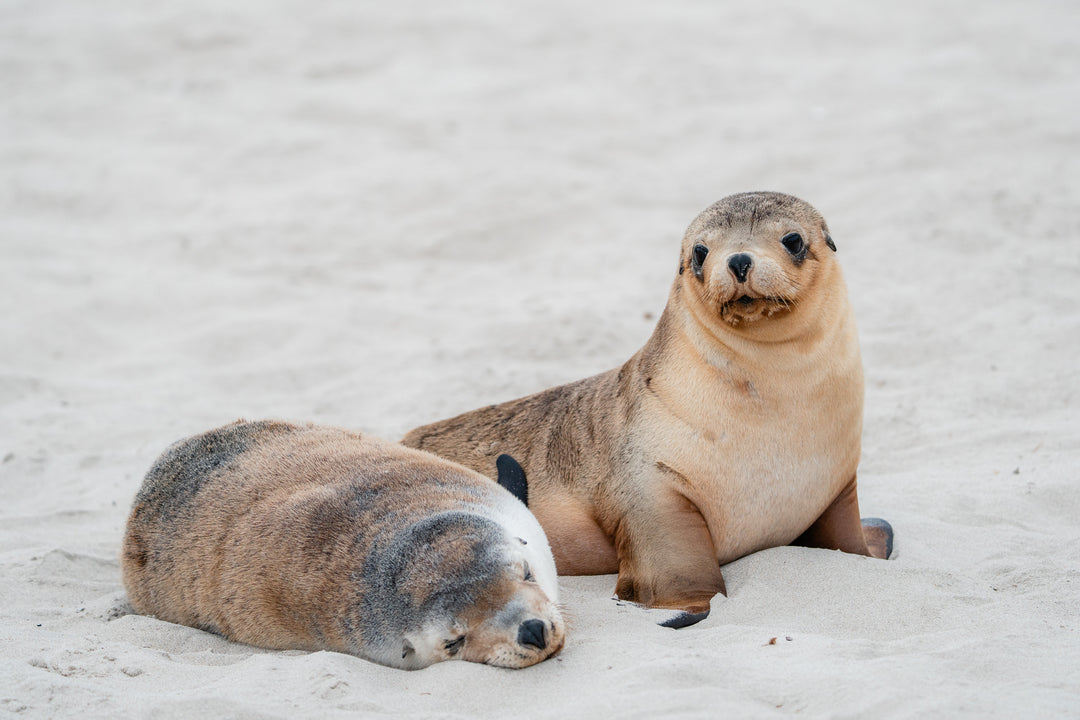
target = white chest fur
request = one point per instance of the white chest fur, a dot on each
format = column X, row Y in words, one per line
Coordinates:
column 760, row 445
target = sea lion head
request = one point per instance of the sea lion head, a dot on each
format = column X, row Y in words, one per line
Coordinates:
column 460, row 586
column 753, row 257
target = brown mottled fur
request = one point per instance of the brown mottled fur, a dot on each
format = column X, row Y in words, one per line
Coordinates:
column 299, row 536
column 735, row 428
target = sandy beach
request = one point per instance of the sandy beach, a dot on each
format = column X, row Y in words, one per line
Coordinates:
column 376, row 215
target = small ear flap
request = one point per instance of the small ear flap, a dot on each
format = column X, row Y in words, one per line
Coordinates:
column 407, row 649
column 512, row 477
column 829, row 242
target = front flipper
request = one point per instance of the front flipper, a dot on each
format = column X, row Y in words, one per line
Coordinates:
column 683, row 619
column 667, row 561
column 840, row 528
column 669, row 618
column 512, row 477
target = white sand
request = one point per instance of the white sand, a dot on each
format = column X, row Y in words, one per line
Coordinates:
column 375, row 218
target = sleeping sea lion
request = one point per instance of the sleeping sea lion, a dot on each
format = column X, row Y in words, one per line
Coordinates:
column 305, row 537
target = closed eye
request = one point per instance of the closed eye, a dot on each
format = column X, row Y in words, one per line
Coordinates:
column 454, row 646
column 528, row 574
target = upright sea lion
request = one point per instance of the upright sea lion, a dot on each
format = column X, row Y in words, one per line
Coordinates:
column 314, row 538
column 735, row 428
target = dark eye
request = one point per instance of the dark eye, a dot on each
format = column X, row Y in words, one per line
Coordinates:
column 528, row 573
column 697, row 258
column 454, row 646
column 793, row 242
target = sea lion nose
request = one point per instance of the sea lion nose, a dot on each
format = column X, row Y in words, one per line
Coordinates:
column 533, row 632
column 740, row 264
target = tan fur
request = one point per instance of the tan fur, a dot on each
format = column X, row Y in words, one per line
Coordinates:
column 735, row 428
column 288, row 536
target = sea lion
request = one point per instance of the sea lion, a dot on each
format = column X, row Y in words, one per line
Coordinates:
column 735, row 428
column 305, row 537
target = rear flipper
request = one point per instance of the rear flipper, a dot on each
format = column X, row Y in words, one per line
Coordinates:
column 512, row 477
column 879, row 537
column 840, row 528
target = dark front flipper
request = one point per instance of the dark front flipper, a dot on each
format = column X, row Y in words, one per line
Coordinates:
column 840, row 528
column 684, row 619
column 512, row 477
column 669, row 617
